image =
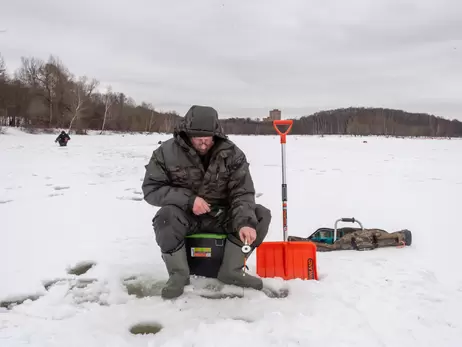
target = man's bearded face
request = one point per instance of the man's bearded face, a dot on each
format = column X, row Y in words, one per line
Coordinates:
column 202, row 144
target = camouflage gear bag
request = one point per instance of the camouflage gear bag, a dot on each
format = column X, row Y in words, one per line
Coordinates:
column 359, row 239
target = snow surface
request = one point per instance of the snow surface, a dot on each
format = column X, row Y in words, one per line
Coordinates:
column 63, row 206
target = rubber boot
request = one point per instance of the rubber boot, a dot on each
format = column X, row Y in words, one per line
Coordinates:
column 178, row 271
column 231, row 270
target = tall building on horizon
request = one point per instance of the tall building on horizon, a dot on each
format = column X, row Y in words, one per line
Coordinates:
column 274, row 114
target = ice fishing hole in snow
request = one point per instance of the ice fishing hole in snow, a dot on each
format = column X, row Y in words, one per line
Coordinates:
column 79, row 283
column 148, row 328
column 143, row 287
column 81, row 268
column 9, row 304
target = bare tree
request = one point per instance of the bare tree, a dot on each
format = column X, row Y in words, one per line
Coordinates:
column 29, row 71
column 53, row 78
column 28, row 75
column 147, row 114
column 80, row 94
column 109, row 98
column 3, row 76
column 151, row 119
column 3, row 91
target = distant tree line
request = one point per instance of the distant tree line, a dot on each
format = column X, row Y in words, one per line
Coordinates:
column 45, row 94
column 377, row 121
column 355, row 121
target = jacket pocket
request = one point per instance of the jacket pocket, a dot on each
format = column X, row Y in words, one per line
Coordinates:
column 178, row 175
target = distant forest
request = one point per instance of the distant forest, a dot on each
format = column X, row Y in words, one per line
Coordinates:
column 46, row 95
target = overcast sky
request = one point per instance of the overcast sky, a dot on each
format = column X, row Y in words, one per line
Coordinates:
column 246, row 57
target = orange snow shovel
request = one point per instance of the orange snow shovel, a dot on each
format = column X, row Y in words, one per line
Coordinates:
column 286, row 259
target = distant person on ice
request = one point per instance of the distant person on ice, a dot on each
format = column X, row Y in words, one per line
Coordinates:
column 202, row 183
column 63, row 138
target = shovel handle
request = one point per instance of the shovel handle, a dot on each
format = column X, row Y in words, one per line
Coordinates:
column 288, row 122
column 283, row 134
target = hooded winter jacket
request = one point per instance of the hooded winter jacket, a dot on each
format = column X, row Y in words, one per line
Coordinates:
column 175, row 174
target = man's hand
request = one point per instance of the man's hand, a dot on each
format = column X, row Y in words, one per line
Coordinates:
column 200, row 206
column 247, row 234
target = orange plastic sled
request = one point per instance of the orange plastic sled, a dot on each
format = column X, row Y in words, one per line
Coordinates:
column 287, row 260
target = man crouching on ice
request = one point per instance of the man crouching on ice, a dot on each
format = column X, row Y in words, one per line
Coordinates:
column 202, row 183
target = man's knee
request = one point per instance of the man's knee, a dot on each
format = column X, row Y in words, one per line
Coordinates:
column 171, row 225
column 263, row 215
column 263, row 221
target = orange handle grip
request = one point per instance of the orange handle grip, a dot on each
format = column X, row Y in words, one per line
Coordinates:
column 288, row 122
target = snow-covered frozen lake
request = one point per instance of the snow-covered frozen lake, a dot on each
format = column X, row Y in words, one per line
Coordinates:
column 63, row 206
